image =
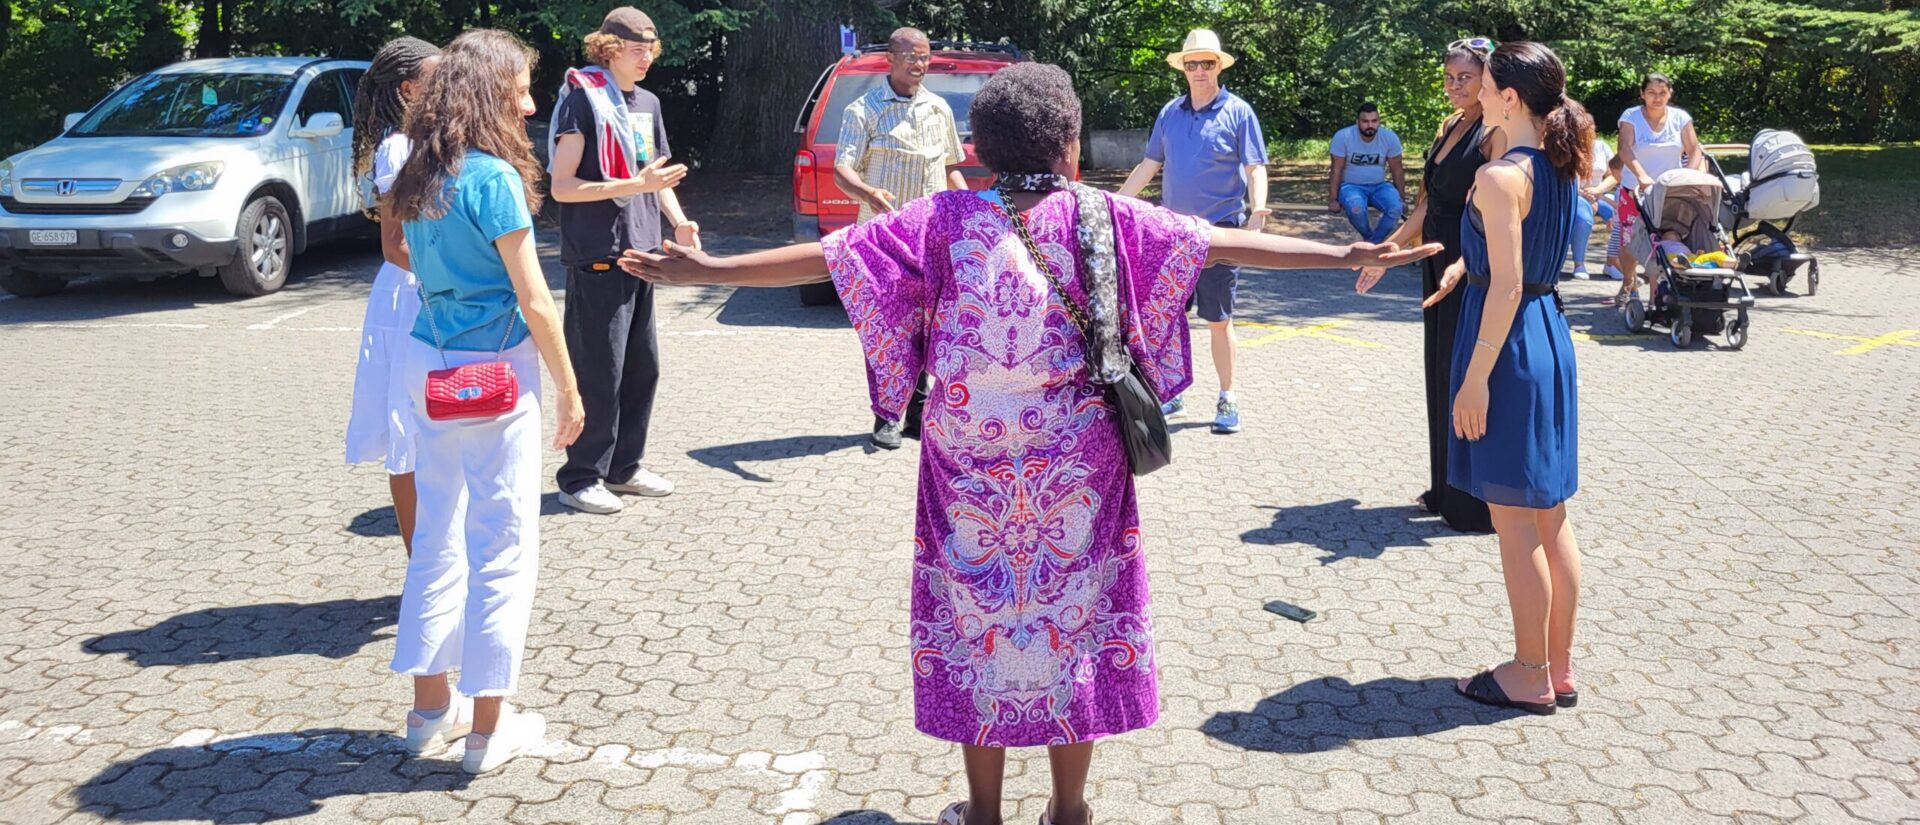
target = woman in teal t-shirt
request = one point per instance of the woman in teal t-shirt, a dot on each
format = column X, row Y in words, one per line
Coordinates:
column 466, row 196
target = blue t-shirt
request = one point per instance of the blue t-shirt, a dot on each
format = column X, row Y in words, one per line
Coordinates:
column 1366, row 159
column 1204, row 155
column 466, row 284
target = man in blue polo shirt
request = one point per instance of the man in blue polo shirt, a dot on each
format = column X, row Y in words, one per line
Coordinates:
column 1209, row 142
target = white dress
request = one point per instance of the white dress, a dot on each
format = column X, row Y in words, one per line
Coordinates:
column 381, row 426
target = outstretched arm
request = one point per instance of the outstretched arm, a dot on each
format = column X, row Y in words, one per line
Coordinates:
column 1238, row 246
column 794, row 265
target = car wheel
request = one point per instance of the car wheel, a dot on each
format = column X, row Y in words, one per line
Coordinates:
column 264, row 250
column 30, row 285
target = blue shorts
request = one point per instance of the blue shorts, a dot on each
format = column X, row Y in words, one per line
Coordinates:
column 1213, row 296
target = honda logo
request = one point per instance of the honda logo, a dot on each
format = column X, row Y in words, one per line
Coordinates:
column 65, row 188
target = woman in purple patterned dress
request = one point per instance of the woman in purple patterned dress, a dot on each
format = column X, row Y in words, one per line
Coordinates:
column 1030, row 617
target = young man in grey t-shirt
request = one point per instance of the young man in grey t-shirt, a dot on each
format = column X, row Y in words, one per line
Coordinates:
column 1364, row 154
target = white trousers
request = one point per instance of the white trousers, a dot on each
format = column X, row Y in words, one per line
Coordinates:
column 476, row 538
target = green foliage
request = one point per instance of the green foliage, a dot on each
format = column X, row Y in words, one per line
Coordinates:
column 1835, row 69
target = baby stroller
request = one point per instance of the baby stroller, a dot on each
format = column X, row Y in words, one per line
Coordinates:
column 1676, row 241
column 1781, row 182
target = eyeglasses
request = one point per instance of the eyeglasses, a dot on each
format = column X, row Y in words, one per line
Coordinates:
column 911, row 57
column 1201, row 65
column 1473, row 44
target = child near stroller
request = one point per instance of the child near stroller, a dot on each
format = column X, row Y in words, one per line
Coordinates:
column 1686, row 253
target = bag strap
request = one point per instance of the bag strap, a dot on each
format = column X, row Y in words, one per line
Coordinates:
column 426, row 305
column 1074, row 310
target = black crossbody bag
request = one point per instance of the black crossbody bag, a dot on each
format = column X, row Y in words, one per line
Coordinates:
column 1143, row 427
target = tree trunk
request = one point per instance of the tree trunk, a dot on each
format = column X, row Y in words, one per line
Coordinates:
column 212, row 40
column 771, row 63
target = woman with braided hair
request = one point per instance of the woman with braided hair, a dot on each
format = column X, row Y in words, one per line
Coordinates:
column 380, row 428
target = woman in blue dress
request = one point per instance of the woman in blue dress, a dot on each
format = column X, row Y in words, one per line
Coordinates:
column 1515, row 419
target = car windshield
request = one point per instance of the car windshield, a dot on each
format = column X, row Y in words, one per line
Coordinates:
column 190, row 105
column 958, row 89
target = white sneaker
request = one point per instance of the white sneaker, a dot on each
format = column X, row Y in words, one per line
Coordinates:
column 423, row 733
column 1580, row 275
column 596, row 499
column 517, row 733
column 644, row 483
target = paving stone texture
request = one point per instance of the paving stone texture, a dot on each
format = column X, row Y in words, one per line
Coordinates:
column 199, row 598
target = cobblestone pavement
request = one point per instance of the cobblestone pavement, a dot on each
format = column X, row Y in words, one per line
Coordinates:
column 199, row 601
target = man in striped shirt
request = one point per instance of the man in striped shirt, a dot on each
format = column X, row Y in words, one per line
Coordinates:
column 897, row 143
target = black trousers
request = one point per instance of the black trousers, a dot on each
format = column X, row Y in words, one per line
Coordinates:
column 1458, row 508
column 616, row 358
column 916, row 409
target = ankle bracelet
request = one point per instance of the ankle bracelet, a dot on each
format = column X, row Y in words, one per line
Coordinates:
column 1541, row 666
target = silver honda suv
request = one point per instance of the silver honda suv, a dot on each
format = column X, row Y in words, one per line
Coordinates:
column 226, row 167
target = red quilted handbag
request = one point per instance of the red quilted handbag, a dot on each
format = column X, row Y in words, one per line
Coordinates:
column 483, row 389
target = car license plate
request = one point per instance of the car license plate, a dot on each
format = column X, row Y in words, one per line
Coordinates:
column 53, row 237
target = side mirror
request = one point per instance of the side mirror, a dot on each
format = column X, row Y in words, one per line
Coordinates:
column 321, row 125
column 67, row 123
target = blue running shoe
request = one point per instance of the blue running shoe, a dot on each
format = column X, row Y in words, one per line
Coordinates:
column 1175, row 407
column 1226, row 418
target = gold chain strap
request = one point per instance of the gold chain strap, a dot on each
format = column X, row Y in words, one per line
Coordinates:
column 1040, row 261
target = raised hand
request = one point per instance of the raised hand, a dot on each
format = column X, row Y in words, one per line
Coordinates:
column 1448, row 280
column 677, row 265
column 658, row 175
column 687, row 234
column 1387, row 255
column 1369, row 275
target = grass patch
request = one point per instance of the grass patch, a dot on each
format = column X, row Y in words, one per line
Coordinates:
column 1869, row 196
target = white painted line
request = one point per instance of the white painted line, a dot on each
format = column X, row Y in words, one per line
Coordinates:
column 72, row 325
column 284, row 316
column 316, row 329
column 19, row 732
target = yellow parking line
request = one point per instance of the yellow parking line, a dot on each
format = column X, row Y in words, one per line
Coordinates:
column 1588, row 336
column 1283, row 333
column 1865, row 344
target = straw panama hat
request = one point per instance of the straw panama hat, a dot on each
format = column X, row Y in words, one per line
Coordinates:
column 1200, row 40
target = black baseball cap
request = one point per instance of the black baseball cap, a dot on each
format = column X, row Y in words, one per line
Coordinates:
column 629, row 23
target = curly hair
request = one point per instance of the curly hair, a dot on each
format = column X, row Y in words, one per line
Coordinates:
column 470, row 103
column 378, row 108
column 602, row 47
column 1025, row 119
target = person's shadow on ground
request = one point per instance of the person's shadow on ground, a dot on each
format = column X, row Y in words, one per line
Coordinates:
column 1329, row 713
column 729, row 457
column 261, row 778
column 1342, row 530
column 868, row 818
column 335, row 629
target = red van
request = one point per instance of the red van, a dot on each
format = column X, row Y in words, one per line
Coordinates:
column 819, row 207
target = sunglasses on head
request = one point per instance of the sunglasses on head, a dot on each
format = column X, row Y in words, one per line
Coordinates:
column 1475, row 44
column 1198, row 65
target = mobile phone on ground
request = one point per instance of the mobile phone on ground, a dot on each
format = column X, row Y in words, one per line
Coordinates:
column 1290, row 611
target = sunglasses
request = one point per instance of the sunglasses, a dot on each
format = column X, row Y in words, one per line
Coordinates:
column 910, row 57
column 1201, row 65
column 1475, row 44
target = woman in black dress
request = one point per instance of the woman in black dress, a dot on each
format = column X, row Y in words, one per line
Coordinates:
column 1464, row 143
